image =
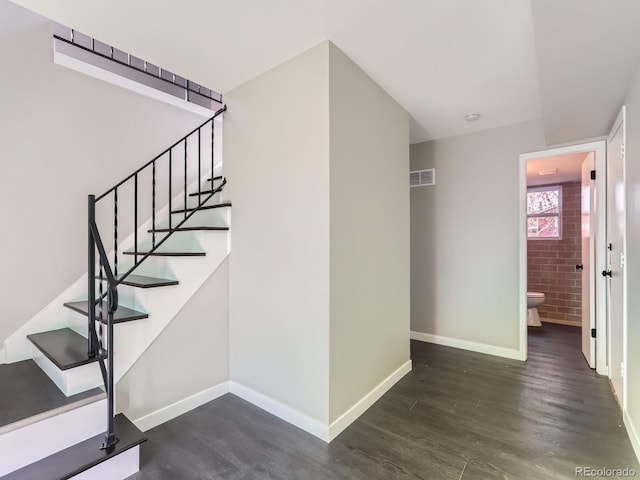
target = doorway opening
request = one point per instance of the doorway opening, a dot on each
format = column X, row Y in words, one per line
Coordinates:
column 561, row 245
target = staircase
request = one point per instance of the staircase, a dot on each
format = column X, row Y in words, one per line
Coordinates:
column 136, row 286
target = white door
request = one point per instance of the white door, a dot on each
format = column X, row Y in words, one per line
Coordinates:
column 616, row 249
column 588, row 247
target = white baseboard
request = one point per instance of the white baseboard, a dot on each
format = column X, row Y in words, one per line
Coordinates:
column 348, row 417
column 633, row 434
column 2, row 357
column 176, row 409
column 571, row 323
column 280, row 410
column 469, row 345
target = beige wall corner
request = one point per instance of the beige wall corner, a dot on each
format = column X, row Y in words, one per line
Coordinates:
column 276, row 141
column 369, row 182
column 632, row 415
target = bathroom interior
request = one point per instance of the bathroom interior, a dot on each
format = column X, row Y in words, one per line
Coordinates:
column 555, row 217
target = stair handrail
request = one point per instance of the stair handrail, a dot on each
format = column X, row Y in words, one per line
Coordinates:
column 164, row 152
column 105, row 269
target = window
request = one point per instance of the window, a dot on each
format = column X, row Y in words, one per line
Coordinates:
column 544, row 213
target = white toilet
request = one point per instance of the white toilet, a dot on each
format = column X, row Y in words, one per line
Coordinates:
column 534, row 300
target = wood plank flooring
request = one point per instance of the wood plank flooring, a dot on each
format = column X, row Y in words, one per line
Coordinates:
column 457, row 415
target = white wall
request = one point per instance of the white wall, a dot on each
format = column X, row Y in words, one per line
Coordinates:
column 63, row 135
column 633, row 261
column 189, row 357
column 369, row 234
column 464, row 237
column 317, row 158
column 276, row 140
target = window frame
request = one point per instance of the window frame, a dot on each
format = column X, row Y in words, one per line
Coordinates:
column 544, row 188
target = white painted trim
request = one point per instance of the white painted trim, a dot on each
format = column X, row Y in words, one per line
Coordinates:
column 523, row 344
column 633, row 434
column 120, row 467
column 600, row 148
column 570, row 323
column 622, row 123
column 180, row 407
column 469, row 345
column 280, row 410
column 2, row 357
column 599, row 138
column 352, row 414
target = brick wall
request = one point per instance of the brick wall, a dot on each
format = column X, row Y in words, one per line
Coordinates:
column 551, row 264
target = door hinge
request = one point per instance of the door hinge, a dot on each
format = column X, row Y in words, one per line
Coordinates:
column 593, row 174
column 593, row 333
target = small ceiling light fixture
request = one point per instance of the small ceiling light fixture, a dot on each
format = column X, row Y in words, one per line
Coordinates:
column 472, row 117
column 548, row 171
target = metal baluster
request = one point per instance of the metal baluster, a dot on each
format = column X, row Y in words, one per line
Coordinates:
column 153, row 205
column 170, row 184
column 115, row 232
column 135, row 219
column 185, row 177
column 110, row 437
column 100, row 292
column 213, row 122
column 92, row 341
column 199, row 173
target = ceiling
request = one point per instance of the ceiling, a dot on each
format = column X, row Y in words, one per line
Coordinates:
column 568, row 169
column 568, row 62
column 587, row 54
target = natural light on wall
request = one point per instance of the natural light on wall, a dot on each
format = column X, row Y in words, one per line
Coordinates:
column 544, row 212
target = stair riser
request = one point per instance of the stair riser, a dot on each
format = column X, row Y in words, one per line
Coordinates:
column 139, row 298
column 217, row 217
column 185, row 242
column 117, row 468
column 33, row 442
column 193, row 201
column 53, row 317
column 72, row 381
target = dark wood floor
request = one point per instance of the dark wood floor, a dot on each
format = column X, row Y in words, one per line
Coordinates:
column 457, row 415
column 25, row 391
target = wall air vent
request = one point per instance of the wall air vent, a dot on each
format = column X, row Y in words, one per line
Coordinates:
column 422, row 178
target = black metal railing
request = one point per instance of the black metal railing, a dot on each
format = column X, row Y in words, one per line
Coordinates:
column 107, row 270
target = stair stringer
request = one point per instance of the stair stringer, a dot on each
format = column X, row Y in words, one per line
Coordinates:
column 55, row 316
column 132, row 339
